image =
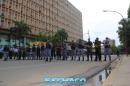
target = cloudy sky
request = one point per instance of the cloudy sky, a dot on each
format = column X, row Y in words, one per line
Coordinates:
column 101, row 24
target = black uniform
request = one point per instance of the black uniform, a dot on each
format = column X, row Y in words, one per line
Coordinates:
column 89, row 50
column 97, row 50
column 73, row 46
column 38, row 53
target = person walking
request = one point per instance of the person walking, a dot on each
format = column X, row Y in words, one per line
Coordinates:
column 107, row 49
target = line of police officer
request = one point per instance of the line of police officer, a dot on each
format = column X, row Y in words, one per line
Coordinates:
column 67, row 50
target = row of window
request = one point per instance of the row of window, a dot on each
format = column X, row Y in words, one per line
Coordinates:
column 43, row 18
column 40, row 18
column 36, row 30
column 60, row 14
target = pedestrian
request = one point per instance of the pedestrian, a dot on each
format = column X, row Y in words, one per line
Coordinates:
column 48, row 48
column 10, row 53
column 24, row 53
column 80, row 52
column 97, row 45
column 28, row 53
column 117, row 53
column 53, row 51
column 38, row 52
column 19, row 53
column 58, row 51
column 107, row 49
column 33, row 52
column 15, row 50
column 64, row 52
column 68, row 49
column 1, row 52
column 42, row 52
column 73, row 52
column 6, row 53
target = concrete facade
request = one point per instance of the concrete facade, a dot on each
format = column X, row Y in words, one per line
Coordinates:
column 43, row 16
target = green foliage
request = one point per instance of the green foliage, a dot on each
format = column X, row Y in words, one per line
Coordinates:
column 113, row 49
column 124, row 31
column 128, row 13
column 120, row 48
column 41, row 37
column 61, row 35
column 56, row 39
column 20, row 30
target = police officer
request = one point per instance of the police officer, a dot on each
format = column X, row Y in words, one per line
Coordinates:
column 107, row 49
column 97, row 44
column 89, row 49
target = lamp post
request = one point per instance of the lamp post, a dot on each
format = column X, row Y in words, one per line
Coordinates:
column 126, row 47
column 114, row 12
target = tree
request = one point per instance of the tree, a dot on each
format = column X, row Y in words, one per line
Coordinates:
column 62, row 35
column 120, row 48
column 59, row 37
column 113, row 49
column 55, row 39
column 12, row 34
column 124, row 32
column 20, row 31
column 41, row 37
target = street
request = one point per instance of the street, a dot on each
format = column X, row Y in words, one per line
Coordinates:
column 32, row 73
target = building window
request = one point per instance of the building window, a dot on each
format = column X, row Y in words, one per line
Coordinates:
column 3, row 2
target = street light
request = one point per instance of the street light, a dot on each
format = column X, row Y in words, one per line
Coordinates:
column 114, row 12
column 126, row 47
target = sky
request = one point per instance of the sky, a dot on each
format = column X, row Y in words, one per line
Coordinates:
column 101, row 24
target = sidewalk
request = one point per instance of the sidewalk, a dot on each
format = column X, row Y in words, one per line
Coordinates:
column 120, row 76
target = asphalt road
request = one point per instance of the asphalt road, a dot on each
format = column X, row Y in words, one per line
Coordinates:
column 31, row 73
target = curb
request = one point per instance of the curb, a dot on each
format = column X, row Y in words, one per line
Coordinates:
column 109, row 80
column 90, row 74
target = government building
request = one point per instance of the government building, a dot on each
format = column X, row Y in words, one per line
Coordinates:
column 43, row 16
